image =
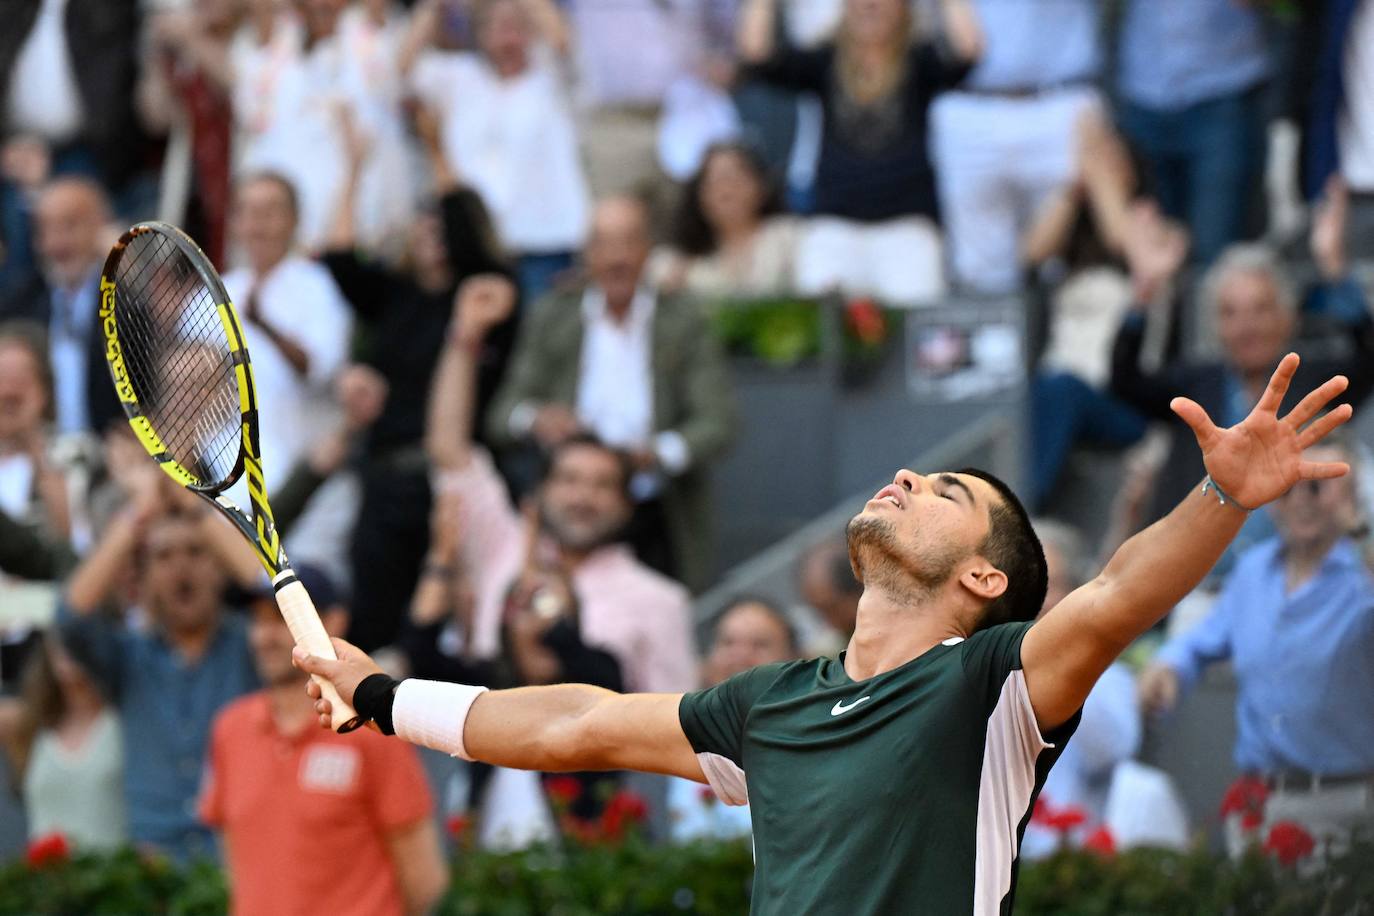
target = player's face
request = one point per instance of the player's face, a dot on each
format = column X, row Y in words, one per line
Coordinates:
column 919, row 528
column 747, row 636
column 1318, row 511
column 264, row 222
column 1253, row 325
column 271, row 642
column 583, row 502
column 22, row 398
column 182, row 582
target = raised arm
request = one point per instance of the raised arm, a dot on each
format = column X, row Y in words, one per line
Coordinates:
column 482, row 302
column 1248, row 465
column 555, row 729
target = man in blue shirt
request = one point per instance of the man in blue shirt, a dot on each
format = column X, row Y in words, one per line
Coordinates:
column 1296, row 620
column 1190, row 81
column 171, row 671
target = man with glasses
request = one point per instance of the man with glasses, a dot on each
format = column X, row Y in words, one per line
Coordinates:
column 1296, row 620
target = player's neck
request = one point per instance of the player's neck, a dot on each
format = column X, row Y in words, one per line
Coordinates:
column 891, row 630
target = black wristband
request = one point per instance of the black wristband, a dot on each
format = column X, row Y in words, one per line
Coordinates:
column 373, row 700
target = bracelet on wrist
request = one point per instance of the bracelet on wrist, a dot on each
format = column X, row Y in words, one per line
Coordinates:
column 1222, row 497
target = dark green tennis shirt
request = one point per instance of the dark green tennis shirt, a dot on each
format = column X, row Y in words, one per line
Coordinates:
column 904, row 793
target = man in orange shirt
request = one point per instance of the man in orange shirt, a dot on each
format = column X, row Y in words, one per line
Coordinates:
column 311, row 821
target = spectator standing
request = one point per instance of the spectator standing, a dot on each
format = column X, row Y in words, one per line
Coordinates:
column 1296, row 620
column 731, row 239
column 402, row 316
column 640, row 370
column 1340, row 131
column 509, row 131
column 171, row 673
column 1003, row 140
column 1191, row 80
column 295, row 80
column 70, row 218
column 876, row 231
column 282, row 791
column 66, row 745
column 749, row 632
column 296, row 321
column 32, row 489
column 1247, row 296
column 68, row 69
column 639, row 616
column 189, row 78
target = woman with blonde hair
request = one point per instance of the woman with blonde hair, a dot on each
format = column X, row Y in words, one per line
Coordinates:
column 876, row 230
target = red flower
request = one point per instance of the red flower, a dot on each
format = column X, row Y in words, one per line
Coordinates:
column 1061, row 819
column 707, row 795
column 1246, row 797
column 1101, row 842
column 624, row 809
column 1288, row 842
column 457, row 825
column 865, row 321
column 564, row 790
column 47, row 850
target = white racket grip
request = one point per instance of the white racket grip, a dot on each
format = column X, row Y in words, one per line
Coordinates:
column 308, row 631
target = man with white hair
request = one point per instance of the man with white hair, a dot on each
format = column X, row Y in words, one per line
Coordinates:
column 1248, row 298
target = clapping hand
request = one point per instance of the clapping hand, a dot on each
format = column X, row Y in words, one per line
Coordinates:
column 1260, row 458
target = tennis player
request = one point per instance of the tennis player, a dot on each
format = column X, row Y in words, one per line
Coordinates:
column 898, row 777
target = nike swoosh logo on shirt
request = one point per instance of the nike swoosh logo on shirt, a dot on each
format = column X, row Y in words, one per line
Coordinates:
column 839, row 706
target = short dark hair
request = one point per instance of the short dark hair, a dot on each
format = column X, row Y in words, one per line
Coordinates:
column 1013, row 547
column 591, row 440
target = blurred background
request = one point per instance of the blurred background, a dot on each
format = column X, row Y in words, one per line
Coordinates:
column 583, row 326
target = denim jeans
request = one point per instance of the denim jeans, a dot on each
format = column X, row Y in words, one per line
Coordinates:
column 1205, row 163
column 1066, row 411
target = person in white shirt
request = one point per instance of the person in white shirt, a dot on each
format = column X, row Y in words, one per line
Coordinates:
column 296, row 80
column 508, row 130
column 296, row 321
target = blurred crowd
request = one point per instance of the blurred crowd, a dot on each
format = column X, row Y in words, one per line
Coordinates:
column 475, row 245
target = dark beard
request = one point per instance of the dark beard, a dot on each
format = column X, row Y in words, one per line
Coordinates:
column 877, row 560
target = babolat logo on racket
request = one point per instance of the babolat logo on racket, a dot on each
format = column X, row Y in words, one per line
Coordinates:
column 114, row 355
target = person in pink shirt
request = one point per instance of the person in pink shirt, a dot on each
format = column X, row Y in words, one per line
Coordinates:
column 580, row 511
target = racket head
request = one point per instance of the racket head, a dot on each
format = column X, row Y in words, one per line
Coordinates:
column 177, row 357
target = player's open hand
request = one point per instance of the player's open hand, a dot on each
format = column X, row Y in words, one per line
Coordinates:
column 346, row 672
column 1260, row 458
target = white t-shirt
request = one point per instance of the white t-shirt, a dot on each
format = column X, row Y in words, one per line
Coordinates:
column 1356, row 126
column 515, row 142
column 300, row 300
column 44, row 98
column 287, row 103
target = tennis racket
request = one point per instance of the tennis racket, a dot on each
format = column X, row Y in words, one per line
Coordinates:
column 180, row 367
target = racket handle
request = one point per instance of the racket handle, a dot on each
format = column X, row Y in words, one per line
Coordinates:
column 308, row 631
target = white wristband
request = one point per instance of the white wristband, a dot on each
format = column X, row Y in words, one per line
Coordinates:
column 433, row 713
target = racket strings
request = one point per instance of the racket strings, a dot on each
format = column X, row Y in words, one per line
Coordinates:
column 178, row 357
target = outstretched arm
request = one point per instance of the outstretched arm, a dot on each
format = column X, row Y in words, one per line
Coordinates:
column 559, row 728
column 1252, row 463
